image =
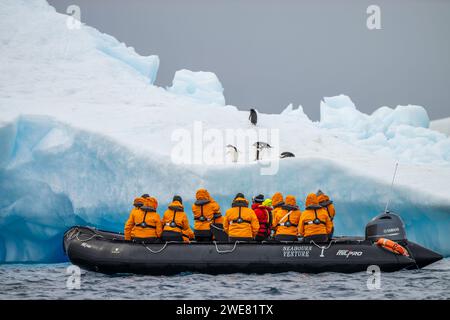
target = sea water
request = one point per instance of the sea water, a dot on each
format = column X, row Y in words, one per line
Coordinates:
column 55, row 281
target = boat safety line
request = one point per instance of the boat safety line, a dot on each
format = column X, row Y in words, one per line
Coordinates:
column 225, row 251
column 322, row 247
column 157, row 251
column 90, row 238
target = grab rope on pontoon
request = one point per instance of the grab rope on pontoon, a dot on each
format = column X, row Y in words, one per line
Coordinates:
column 225, row 251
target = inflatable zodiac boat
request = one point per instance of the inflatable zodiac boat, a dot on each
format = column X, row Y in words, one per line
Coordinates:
column 385, row 245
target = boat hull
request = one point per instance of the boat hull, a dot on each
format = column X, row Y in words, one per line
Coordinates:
column 108, row 253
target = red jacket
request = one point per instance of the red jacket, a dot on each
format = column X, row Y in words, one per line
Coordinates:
column 262, row 212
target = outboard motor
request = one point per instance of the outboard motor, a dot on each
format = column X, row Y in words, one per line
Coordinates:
column 386, row 225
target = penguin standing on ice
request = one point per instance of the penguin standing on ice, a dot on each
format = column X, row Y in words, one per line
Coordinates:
column 261, row 146
column 233, row 151
column 253, row 117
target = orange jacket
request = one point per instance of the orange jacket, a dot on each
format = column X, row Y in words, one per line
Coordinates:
column 327, row 204
column 277, row 202
column 188, row 235
column 286, row 218
column 250, row 225
column 175, row 219
column 314, row 211
column 208, row 208
column 147, row 213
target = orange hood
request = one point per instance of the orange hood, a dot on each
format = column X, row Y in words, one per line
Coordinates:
column 138, row 200
column 151, row 202
column 202, row 194
column 311, row 200
column 322, row 198
column 291, row 201
column 277, row 199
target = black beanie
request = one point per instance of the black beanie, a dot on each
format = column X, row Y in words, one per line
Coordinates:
column 319, row 192
column 259, row 198
column 177, row 198
column 145, row 196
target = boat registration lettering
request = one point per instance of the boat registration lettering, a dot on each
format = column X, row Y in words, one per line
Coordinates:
column 296, row 251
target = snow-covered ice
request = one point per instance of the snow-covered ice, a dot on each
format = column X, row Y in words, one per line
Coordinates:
column 401, row 132
column 203, row 87
column 83, row 130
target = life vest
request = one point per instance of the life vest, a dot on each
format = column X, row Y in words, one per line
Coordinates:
column 316, row 221
column 392, row 246
column 278, row 205
column 172, row 223
column 264, row 229
column 264, row 218
column 325, row 205
column 202, row 218
column 288, row 223
column 239, row 219
column 143, row 224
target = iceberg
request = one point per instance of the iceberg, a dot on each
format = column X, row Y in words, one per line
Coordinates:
column 54, row 176
column 83, row 131
column 290, row 111
column 402, row 133
column 203, row 87
column 147, row 66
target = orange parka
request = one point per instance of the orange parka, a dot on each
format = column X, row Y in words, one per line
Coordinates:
column 285, row 220
column 175, row 219
column 188, row 235
column 206, row 211
column 143, row 222
column 277, row 202
column 327, row 204
column 314, row 219
column 249, row 226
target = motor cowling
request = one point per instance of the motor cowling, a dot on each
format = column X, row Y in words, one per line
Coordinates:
column 386, row 225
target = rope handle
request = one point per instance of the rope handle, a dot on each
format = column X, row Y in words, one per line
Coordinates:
column 157, row 251
column 225, row 251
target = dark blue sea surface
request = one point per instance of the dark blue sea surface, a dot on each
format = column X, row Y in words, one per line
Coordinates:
column 49, row 281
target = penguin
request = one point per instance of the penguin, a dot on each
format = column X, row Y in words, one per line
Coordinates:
column 233, row 151
column 287, row 154
column 260, row 146
column 253, row 117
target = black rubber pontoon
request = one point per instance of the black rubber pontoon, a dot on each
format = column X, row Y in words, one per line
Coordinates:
column 109, row 253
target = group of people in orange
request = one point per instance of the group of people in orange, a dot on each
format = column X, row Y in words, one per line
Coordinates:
column 275, row 218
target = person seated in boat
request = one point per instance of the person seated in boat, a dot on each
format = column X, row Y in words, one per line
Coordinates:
column 262, row 213
column 285, row 220
column 277, row 203
column 327, row 204
column 240, row 222
column 315, row 224
column 188, row 235
column 268, row 204
column 174, row 221
column 206, row 211
column 143, row 224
